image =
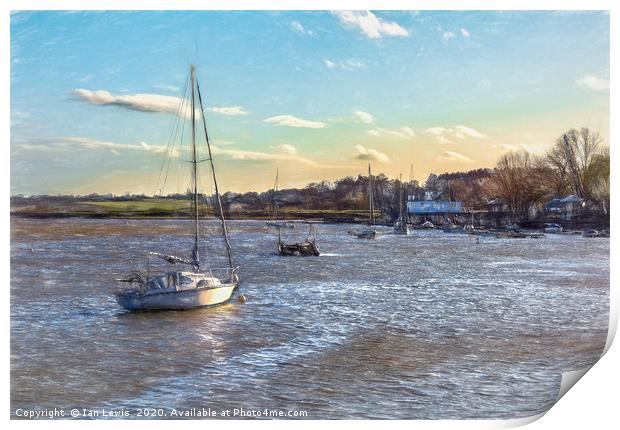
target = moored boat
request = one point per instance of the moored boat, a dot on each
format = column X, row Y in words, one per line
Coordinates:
column 367, row 232
column 201, row 285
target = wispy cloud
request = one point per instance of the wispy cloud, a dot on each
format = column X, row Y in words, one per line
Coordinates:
column 137, row 102
column 443, row 134
column 66, row 143
column 296, row 25
column 330, row 64
column 371, row 25
column 448, row 35
column 348, row 64
column 287, row 149
column 594, row 83
column 166, row 87
column 506, row 147
column 461, row 131
column 465, row 33
column 364, row 117
column 436, row 131
column 369, row 154
column 454, row 156
column 228, row 110
column 293, row 121
column 443, row 140
column 400, row 133
column 151, row 103
column 285, row 153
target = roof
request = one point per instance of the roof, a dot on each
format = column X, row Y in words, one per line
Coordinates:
column 571, row 199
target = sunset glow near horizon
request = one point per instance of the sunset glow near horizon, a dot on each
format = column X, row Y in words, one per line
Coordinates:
column 317, row 95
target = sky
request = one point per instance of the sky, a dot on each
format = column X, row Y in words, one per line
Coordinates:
column 317, row 95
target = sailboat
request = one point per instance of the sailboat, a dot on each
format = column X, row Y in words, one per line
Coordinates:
column 196, row 286
column 368, row 232
column 276, row 222
column 306, row 248
column 401, row 226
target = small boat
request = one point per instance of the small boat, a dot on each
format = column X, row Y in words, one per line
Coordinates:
column 553, row 228
column 427, row 224
column 277, row 223
column 591, row 233
column 401, row 226
column 307, row 248
column 510, row 235
column 199, row 285
column 368, row 232
column 450, row 227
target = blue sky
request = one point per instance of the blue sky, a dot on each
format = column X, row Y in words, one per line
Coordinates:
column 316, row 94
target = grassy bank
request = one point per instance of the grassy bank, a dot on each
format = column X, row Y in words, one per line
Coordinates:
column 169, row 208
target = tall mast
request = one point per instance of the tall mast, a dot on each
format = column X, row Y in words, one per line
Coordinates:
column 372, row 212
column 195, row 171
column 400, row 203
column 275, row 190
column 217, row 192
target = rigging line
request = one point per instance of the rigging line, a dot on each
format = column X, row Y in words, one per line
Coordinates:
column 167, row 159
column 217, row 193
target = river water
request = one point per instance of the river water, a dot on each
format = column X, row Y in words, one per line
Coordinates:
column 430, row 325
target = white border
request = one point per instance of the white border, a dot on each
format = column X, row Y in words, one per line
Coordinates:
column 592, row 403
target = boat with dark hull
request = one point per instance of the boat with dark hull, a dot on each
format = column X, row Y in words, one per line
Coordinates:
column 307, row 248
column 198, row 285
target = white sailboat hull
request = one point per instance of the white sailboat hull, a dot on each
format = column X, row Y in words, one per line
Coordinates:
column 175, row 300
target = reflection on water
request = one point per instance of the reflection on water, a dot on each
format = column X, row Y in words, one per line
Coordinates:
column 430, row 325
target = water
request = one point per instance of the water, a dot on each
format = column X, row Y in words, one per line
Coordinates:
column 430, row 325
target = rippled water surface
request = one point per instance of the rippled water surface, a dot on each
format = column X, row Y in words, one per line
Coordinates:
column 430, row 325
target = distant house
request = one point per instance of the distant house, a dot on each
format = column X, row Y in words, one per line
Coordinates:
column 565, row 208
column 431, row 206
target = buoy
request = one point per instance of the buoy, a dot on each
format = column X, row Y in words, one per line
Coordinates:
column 242, row 298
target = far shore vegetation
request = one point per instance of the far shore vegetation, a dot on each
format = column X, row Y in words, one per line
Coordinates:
column 520, row 186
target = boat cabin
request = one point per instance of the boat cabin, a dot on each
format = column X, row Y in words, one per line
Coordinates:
column 179, row 281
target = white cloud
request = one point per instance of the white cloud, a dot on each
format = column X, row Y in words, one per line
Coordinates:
column 442, row 134
column 464, row 32
column 287, row 149
column 138, row 102
column 371, row 25
column 151, row 103
column 407, row 131
column 436, row 131
column 287, row 153
column 296, row 25
column 461, row 129
column 66, row 143
column 454, row 156
column 448, row 35
column 348, row 64
column 292, row 121
column 443, row 140
column 400, row 133
column 506, row 147
column 364, row 117
column 594, row 83
column 369, row 154
column 167, row 87
column 228, row 110
column 93, row 144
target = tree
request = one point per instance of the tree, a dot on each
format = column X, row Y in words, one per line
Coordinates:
column 571, row 157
